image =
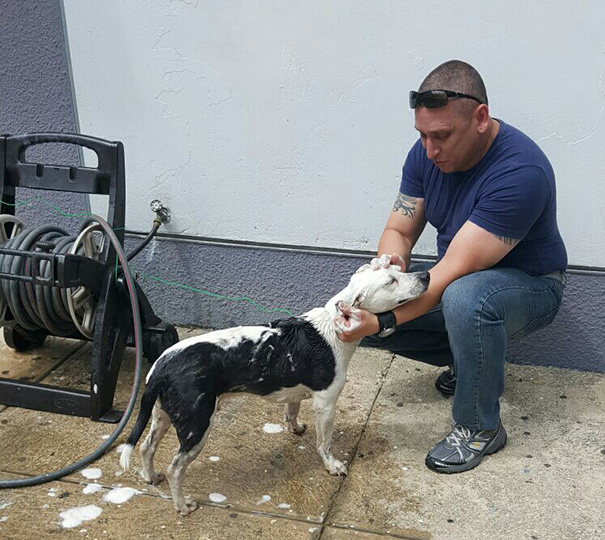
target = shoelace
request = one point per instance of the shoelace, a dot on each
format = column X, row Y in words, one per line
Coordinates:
column 458, row 434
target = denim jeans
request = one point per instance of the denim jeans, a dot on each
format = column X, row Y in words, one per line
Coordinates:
column 470, row 329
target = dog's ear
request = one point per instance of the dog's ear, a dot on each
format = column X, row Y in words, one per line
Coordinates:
column 342, row 306
column 347, row 317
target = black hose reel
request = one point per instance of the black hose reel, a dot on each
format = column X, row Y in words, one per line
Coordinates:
column 54, row 283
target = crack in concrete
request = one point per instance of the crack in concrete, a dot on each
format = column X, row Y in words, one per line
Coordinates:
column 336, row 494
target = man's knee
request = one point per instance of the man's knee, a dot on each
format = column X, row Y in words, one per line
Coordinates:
column 467, row 298
column 457, row 299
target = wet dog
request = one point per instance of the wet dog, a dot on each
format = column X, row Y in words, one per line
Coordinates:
column 287, row 361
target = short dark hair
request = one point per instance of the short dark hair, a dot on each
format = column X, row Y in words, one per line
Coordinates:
column 456, row 76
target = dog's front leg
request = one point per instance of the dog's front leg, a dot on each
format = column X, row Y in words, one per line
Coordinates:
column 324, row 404
column 292, row 410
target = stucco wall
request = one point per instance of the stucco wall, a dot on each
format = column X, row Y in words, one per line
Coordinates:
column 286, row 121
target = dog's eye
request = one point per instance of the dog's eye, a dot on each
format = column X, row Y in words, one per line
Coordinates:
column 391, row 281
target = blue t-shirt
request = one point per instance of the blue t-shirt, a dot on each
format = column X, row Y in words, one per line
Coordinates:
column 510, row 193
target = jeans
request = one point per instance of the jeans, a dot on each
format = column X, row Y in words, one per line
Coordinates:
column 470, row 329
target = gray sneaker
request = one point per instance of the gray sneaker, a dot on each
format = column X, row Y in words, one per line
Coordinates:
column 463, row 449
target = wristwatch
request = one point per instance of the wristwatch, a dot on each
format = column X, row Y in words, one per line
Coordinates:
column 387, row 324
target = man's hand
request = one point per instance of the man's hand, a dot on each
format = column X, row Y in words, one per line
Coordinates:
column 353, row 324
column 386, row 260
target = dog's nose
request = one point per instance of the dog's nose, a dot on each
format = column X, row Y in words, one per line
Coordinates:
column 424, row 278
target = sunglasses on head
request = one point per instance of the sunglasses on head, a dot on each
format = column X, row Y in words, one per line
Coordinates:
column 433, row 99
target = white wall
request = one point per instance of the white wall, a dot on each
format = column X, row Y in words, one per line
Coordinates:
column 286, row 121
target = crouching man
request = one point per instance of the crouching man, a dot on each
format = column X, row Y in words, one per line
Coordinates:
column 490, row 192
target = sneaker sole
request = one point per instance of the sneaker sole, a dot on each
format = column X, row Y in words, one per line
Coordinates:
column 491, row 448
column 446, row 391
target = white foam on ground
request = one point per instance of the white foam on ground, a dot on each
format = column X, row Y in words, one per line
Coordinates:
column 5, row 504
column 92, row 474
column 284, row 505
column 120, row 495
column 92, row 488
column 272, row 428
column 264, row 499
column 214, row 458
column 3, row 519
column 75, row 516
column 217, row 497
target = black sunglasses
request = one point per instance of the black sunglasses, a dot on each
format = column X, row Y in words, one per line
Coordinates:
column 433, row 99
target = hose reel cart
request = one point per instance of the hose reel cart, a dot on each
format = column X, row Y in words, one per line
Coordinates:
column 52, row 283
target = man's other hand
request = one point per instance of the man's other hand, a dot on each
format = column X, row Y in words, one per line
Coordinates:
column 386, row 260
column 353, row 324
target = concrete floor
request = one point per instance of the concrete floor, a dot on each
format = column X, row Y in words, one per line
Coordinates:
column 548, row 483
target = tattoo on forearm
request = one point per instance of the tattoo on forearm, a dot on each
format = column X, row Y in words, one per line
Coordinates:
column 406, row 204
column 508, row 241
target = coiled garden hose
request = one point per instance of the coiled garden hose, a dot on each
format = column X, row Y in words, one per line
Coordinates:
column 49, row 477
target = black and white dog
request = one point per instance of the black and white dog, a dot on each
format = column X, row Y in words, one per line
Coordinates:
column 288, row 361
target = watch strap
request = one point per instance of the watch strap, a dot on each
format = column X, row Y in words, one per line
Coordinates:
column 386, row 320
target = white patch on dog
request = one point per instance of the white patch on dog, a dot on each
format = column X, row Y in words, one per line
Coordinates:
column 290, row 395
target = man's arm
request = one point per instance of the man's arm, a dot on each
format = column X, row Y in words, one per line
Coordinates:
column 403, row 228
column 471, row 250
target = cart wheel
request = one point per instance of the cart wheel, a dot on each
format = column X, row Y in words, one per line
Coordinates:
column 159, row 342
column 170, row 337
column 20, row 342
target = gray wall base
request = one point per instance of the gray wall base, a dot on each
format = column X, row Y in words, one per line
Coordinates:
column 299, row 281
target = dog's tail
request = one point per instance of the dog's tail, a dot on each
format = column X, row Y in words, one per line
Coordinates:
column 150, row 395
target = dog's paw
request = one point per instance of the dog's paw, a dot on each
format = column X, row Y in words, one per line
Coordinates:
column 156, row 479
column 336, row 468
column 153, row 479
column 299, row 429
column 187, row 508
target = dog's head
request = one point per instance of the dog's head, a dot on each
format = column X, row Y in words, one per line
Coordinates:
column 382, row 289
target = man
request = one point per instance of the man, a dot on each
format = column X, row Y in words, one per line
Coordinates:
column 490, row 193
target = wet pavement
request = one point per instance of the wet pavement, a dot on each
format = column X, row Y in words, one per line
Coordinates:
column 547, row 483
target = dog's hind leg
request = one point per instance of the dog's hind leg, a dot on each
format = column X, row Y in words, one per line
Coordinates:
column 292, row 410
column 160, row 422
column 192, row 429
column 324, row 404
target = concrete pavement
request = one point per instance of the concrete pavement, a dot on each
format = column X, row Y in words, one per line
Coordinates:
column 547, row 483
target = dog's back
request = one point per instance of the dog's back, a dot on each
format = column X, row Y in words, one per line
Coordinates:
column 255, row 359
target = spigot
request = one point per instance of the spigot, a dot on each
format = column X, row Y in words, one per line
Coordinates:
column 161, row 211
